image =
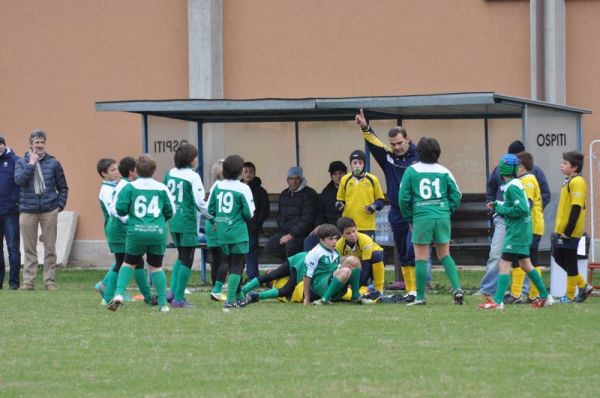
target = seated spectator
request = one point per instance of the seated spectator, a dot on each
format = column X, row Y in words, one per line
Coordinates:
column 261, row 201
column 298, row 207
column 328, row 212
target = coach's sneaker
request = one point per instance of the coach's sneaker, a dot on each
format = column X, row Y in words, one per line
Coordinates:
column 458, row 296
column 584, row 293
column 229, row 306
column 416, row 302
column 100, row 288
column 564, row 300
column 252, row 297
column 181, row 304
column 491, row 305
column 164, row 308
column 115, row 303
column 321, row 302
column 539, row 303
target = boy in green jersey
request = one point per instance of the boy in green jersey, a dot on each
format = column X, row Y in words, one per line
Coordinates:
column 149, row 205
column 517, row 242
column 294, row 268
column 231, row 206
column 187, row 190
column 325, row 278
column 109, row 172
column 428, row 195
column 116, row 232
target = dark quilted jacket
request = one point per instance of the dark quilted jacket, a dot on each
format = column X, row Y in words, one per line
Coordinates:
column 56, row 185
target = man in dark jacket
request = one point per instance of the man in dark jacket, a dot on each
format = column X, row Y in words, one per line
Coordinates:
column 328, row 213
column 298, row 207
column 9, row 215
column 261, row 213
column 43, row 194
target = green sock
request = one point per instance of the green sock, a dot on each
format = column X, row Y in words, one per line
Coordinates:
column 251, row 285
column 107, row 276
column 535, row 277
column 503, row 282
column 232, row 284
column 421, row 278
column 182, row 280
column 175, row 276
column 355, row 282
column 335, row 286
column 218, row 287
column 450, row 268
column 142, row 281
column 110, row 284
column 269, row 294
column 125, row 275
column 159, row 279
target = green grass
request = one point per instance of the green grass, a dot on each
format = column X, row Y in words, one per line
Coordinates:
column 65, row 344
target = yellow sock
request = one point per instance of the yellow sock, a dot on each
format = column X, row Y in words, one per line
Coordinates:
column 378, row 275
column 348, row 295
column 580, row 281
column 363, row 290
column 571, row 285
column 406, row 276
column 518, row 277
column 413, row 279
column 533, row 291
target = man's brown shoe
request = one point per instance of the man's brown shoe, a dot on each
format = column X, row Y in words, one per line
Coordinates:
column 51, row 288
column 26, row 287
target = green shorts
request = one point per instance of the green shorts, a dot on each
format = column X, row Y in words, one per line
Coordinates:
column 116, row 247
column 138, row 249
column 319, row 286
column 431, row 231
column 235, row 248
column 182, row 239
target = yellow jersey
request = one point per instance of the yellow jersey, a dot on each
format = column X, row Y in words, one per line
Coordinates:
column 533, row 193
column 363, row 248
column 573, row 192
column 357, row 195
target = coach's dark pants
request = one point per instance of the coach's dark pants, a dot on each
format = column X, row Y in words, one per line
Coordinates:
column 282, row 252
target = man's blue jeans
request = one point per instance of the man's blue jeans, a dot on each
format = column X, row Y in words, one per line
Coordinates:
column 252, row 256
column 9, row 230
column 490, row 279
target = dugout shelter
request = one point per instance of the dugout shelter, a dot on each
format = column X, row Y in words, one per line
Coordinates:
column 474, row 129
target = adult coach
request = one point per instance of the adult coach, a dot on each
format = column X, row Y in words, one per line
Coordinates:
column 394, row 160
column 43, row 194
column 9, row 215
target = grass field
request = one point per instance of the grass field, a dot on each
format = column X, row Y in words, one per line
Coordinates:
column 65, row 344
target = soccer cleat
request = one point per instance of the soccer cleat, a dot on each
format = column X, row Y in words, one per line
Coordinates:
column 458, row 296
column 584, row 293
column 374, row 296
column 321, row 302
column 115, row 303
column 181, row 304
column 362, row 300
column 170, row 296
column 416, row 302
column 539, row 303
column 229, row 306
column 103, row 302
column 241, row 303
column 527, row 300
column 510, row 299
column 100, row 288
column 164, row 308
column 564, row 300
column 252, row 297
column 153, row 300
column 491, row 305
column 216, row 296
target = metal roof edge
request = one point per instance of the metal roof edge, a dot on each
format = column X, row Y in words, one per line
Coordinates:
column 526, row 101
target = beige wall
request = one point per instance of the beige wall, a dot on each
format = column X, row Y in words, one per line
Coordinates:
column 58, row 57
